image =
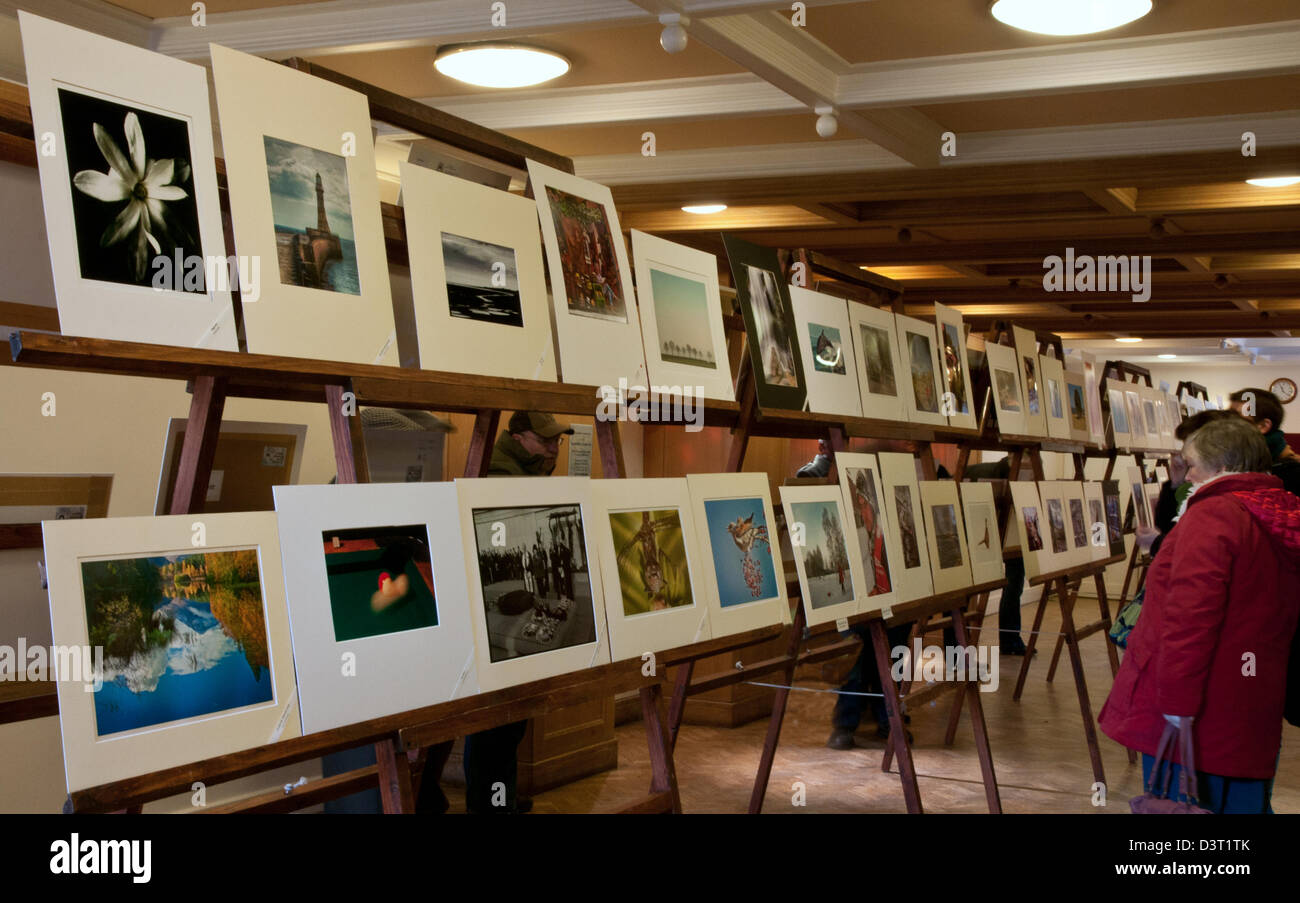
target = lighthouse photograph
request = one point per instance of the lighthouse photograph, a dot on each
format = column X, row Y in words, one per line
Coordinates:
column 312, row 210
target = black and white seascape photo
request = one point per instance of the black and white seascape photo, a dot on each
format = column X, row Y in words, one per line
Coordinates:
column 132, row 188
column 482, row 280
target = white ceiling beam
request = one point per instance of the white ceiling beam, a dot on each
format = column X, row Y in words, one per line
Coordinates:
column 1212, row 54
column 346, row 26
column 1019, row 146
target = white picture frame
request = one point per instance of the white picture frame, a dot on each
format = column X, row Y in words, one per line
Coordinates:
column 1095, row 501
column 1092, row 393
column 955, row 374
column 132, row 744
column 326, row 128
column 1056, row 525
column 401, row 665
column 1135, row 486
column 832, row 373
column 868, row 517
column 634, row 633
column 944, row 525
column 1076, row 399
column 922, row 379
column 880, row 373
column 818, row 528
column 1138, row 439
column 95, row 73
column 1008, row 393
column 1030, row 528
column 909, row 553
column 983, row 540
column 672, row 281
column 737, row 604
column 1031, row 381
column 595, row 348
column 1055, row 403
column 1120, row 435
column 467, row 239
column 523, row 506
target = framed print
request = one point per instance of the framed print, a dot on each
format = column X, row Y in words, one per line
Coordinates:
column 1137, row 494
column 775, row 358
column 1076, row 402
column 196, row 657
column 1094, row 499
column 908, row 549
column 830, row 368
column 1110, row 497
column 1077, row 522
column 1173, row 419
column 681, row 316
column 131, row 206
column 1004, row 380
column 1153, row 501
column 650, row 564
column 304, row 197
column 596, row 320
column 880, row 381
column 954, row 367
column 1136, row 419
column 946, row 531
column 744, row 579
column 1056, row 524
column 1151, row 417
column 523, row 634
column 1092, row 397
column 477, row 279
column 922, row 391
column 982, row 538
column 1055, row 402
column 1027, row 511
column 251, row 458
column 830, row 579
column 864, row 497
column 375, row 571
column 1120, row 436
column 1031, row 382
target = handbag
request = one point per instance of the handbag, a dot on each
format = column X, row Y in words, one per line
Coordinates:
column 1127, row 619
column 1153, row 803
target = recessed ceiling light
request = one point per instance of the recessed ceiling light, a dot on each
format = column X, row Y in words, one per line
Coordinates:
column 1274, row 181
column 1167, row 357
column 493, row 65
column 704, row 209
column 1129, row 340
column 1068, row 17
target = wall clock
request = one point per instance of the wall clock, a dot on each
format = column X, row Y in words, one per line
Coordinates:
column 1284, row 388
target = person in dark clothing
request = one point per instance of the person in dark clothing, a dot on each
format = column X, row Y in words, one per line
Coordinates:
column 529, row 446
column 1262, row 408
column 850, row 706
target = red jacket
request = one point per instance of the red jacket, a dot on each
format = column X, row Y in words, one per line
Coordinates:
column 1226, row 583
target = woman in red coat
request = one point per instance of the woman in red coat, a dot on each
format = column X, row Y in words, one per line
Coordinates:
column 1214, row 638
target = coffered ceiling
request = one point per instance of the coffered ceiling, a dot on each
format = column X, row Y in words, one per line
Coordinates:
column 1127, row 142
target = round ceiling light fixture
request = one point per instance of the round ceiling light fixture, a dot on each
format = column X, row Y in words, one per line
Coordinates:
column 704, row 209
column 1274, row 181
column 1129, row 340
column 1167, row 357
column 1068, row 17
column 494, row 65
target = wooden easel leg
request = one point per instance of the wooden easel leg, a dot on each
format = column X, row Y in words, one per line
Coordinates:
column 394, row 779
column 611, row 449
column 959, row 699
column 905, row 686
column 345, row 430
column 663, row 774
column 1033, row 642
column 779, row 700
column 677, row 708
column 977, row 720
column 207, row 402
column 481, row 441
column 1060, row 640
column 1111, row 652
column 1080, row 682
column 897, row 735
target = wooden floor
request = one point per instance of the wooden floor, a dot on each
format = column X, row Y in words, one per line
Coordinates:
column 1038, row 750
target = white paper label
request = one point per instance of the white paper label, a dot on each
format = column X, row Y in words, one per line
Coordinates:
column 214, row 485
column 580, row 450
column 842, row 625
column 887, row 612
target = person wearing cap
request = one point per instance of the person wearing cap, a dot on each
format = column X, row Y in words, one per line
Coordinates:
column 529, row 446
